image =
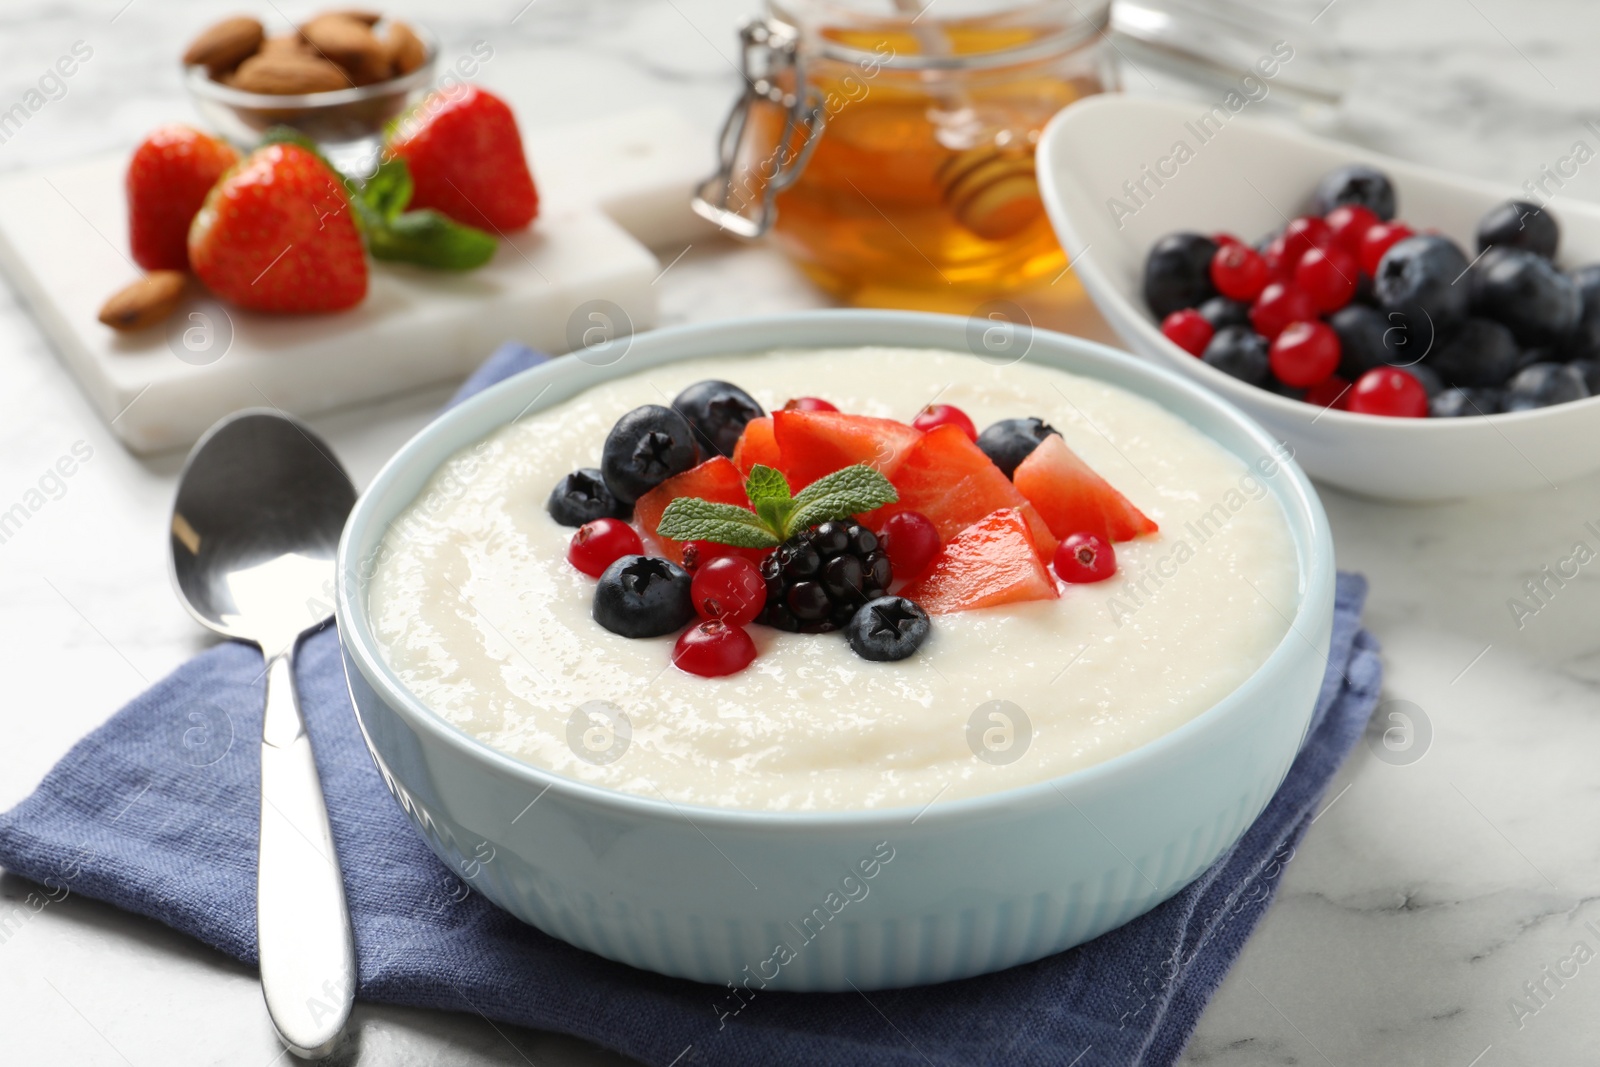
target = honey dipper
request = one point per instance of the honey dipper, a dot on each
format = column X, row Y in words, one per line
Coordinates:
column 991, row 189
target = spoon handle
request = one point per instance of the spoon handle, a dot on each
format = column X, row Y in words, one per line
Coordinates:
column 303, row 933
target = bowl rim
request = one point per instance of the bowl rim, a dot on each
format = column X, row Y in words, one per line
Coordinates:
column 1124, row 314
column 1314, row 566
column 200, row 83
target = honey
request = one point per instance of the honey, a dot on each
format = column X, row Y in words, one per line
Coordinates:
column 919, row 190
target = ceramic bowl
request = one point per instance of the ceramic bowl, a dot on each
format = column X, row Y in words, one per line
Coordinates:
column 1248, row 177
column 960, row 888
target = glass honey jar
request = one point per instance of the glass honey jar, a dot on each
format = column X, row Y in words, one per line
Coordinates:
column 889, row 146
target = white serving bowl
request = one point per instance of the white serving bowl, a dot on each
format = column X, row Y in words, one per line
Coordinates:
column 972, row 885
column 1248, row 180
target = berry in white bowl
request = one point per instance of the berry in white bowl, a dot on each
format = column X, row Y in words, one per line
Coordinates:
column 1117, row 189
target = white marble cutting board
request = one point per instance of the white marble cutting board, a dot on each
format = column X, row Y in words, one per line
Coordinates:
column 610, row 190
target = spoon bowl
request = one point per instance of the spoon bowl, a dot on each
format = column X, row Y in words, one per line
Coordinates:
column 260, row 507
column 261, row 503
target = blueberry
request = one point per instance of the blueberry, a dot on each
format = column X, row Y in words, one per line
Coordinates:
column 647, row 446
column 1590, row 369
column 888, row 628
column 643, row 596
column 1241, row 352
column 1416, row 285
column 1482, row 353
column 1366, row 340
column 1527, row 293
column 1177, row 274
column 1543, row 384
column 1584, row 341
column 1527, row 357
column 1519, row 224
column 1221, row 312
column 1356, row 183
column 1010, row 441
column 1432, row 384
column 1290, row 392
column 717, row 412
column 1456, row 403
column 582, row 497
column 1587, row 279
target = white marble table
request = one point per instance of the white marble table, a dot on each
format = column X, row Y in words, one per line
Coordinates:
column 1422, row 901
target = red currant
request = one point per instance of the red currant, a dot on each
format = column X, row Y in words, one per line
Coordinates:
column 1189, row 330
column 1378, row 240
column 1278, row 305
column 599, row 544
column 728, row 588
column 713, row 648
column 1239, row 272
column 1303, row 234
column 1222, row 240
column 1332, row 392
column 911, row 541
column 1085, row 557
column 1350, row 223
column 697, row 554
column 1277, row 259
column 935, row 415
column 1328, row 276
column 808, row 403
column 1389, row 391
column 1305, row 353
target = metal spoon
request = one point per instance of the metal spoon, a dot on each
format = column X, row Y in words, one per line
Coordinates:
column 261, row 502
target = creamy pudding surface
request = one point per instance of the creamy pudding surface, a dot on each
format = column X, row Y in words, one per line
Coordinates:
column 478, row 612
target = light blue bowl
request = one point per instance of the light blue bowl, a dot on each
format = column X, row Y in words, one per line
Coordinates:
column 830, row 900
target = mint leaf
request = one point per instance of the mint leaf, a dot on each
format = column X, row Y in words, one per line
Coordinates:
column 429, row 239
column 768, row 491
column 839, row 495
column 692, row 519
column 765, row 483
column 389, row 189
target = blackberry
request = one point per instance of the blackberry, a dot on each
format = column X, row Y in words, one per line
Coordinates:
column 819, row 578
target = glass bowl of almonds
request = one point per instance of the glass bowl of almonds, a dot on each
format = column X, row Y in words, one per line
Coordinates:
column 338, row 78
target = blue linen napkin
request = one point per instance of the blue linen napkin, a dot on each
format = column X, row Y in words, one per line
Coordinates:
column 156, row 813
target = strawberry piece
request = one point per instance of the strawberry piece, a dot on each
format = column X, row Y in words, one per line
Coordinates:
column 814, row 443
column 992, row 562
column 1073, row 498
column 168, row 179
column 949, row 479
column 716, row 480
column 757, row 444
column 466, row 159
column 277, row 234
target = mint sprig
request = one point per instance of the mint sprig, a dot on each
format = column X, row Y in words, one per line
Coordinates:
column 423, row 236
column 778, row 515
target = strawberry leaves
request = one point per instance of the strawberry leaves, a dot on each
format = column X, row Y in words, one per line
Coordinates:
column 777, row 514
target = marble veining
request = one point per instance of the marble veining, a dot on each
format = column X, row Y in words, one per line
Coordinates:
column 1443, row 884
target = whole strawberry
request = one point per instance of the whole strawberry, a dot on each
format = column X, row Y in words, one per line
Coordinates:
column 277, row 234
column 466, row 159
column 168, row 179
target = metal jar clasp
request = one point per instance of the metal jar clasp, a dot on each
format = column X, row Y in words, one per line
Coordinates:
column 741, row 196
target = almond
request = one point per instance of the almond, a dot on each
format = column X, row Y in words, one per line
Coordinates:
column 287, row 74
column 349, row 43
column 225, row 45
column 287, row 44
column 406, row 50
column 145, row 302
column 366, row 18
